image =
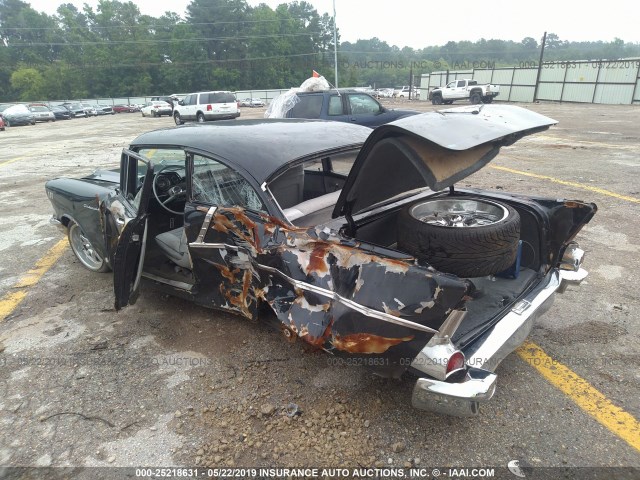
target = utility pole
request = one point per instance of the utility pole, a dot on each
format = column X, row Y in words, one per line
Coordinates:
column 411, row 80
column 335, row 45
column 535, row 90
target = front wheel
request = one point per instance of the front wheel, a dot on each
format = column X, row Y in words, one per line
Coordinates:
column 177, row 119
column 200, row 117
column 84, row 251
column 465, row 236
column 436, row 100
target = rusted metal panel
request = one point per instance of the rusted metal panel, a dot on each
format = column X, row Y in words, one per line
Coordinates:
column 333, row 292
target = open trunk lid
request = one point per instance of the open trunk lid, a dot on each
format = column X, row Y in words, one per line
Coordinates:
column 434, row 150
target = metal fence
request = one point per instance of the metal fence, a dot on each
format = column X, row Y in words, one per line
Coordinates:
column 264, row 95
column 585, row 81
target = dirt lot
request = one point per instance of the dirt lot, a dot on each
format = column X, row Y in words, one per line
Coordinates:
column 165, row 383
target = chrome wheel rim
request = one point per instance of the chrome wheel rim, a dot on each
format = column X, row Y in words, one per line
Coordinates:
column 84, row 250
column 459, row 213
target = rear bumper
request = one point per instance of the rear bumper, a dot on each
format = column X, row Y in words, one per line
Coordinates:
column 221, row 116
column 462, row 396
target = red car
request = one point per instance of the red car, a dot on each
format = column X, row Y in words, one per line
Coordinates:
column 1, row 124
column 123, row 109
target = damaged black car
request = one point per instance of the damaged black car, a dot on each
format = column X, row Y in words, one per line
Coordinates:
column 358, row 241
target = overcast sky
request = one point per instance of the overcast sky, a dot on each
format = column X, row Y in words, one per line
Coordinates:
column 418, row 23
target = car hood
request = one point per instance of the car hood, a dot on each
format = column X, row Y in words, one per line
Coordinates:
column 432, row 150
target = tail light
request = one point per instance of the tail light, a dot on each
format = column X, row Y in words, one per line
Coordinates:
column 209, row 108
column 456, row 362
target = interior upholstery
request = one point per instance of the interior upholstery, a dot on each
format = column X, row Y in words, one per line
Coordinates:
column 174, row 245
column 288, row 188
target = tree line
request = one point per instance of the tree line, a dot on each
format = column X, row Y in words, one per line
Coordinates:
column 114, row 50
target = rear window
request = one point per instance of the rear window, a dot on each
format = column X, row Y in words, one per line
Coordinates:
column 308, row 106
column 217, row 97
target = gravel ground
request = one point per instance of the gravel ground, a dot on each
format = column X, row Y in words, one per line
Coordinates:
column 166, row 383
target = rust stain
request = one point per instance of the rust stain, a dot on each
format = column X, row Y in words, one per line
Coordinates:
column 366, row 343
column 317, row 259
column 318, row 341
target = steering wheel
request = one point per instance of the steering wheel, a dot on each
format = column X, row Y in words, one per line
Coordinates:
column 174, row 192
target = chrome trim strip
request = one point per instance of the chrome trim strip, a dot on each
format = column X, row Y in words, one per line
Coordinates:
column 221, row 246
column 350, row 303
column 452, row 322
column 173, row 283
column 205, row 226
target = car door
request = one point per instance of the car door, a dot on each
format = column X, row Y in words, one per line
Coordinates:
column 461, row 89
column 337, row 108
column 124, row 215
column 365, row 110
column 189, row 110
column 222, row 221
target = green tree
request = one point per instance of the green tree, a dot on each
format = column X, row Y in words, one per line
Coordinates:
column 29, row 82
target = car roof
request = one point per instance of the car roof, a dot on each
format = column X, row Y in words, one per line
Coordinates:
column 261, row 147
column 339, row 90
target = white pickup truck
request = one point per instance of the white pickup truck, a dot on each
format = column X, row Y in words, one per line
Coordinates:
column 463, row 89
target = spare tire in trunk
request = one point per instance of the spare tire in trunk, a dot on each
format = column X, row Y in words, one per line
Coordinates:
column 465, row 236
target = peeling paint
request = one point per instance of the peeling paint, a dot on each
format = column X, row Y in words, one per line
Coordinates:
column 366, row 343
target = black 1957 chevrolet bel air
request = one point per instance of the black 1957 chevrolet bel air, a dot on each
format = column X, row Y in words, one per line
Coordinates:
column 357, row 240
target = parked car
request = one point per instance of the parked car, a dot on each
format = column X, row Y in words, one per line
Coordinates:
column 2, row 125
column 124, row 109
column 156, row 108
column 77, row 109
column 252, row 102
column 103, row 110
column 345, row 105
column 384, row 93
column 17, row 114
column 171, row 100
column 204, row 106
column 404, row 91
column 61, row 112
column 42, row 113
column 89, row 110
column 464, row 89
column 358, row 241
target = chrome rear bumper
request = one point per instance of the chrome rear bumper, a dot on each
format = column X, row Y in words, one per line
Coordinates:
column 462, row 397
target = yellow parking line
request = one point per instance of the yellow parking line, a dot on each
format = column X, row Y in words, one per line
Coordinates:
column 621, row 423
column 10, row 301
column 582, row 186
column 7, row 162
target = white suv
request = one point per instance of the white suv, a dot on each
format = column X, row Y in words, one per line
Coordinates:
column 203, row 106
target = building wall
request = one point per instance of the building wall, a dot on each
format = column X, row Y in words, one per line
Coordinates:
column 585, row 81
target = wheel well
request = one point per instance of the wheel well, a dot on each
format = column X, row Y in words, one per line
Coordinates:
column 476, row 90
column 66, row 220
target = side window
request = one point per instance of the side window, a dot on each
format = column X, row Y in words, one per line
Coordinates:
column 451, row 85
column 216, row 184
column 308, row 106
column 335, row 105
column 363, row 104
column 190, row 99
column 205, row 98
column 460, row 83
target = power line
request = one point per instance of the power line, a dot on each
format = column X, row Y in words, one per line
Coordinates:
column 154, row 41
column 181, row 64
column 150, row 26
